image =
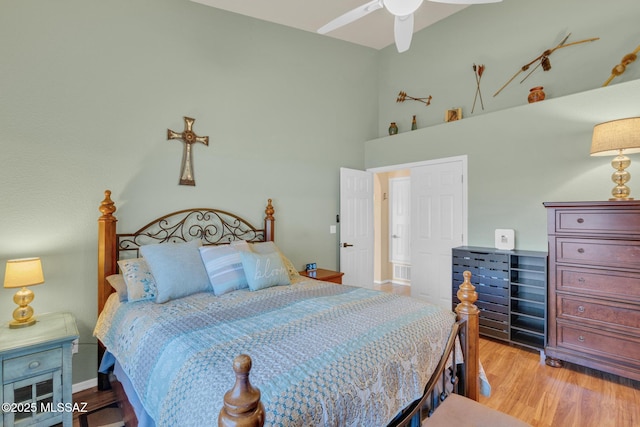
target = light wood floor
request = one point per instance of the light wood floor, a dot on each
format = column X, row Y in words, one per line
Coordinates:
column 571, row 396
column 524, row 387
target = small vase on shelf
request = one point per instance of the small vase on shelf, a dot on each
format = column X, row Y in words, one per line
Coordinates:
column 393, row 128
column 536, row 94
column 414, row 124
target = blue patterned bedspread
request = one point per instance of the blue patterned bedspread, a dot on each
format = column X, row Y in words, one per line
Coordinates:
column 323, row 354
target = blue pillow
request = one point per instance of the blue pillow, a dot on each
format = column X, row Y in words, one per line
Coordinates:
column 264, row 270
column 177, row 269
column 224, row 267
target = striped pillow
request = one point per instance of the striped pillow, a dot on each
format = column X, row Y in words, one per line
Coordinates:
column 224, row 267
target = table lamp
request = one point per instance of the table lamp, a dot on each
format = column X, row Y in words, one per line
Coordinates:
column 21, row 273
column 616, row 138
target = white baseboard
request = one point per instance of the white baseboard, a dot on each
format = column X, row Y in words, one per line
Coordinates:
column 401, row 282
column 84, row 385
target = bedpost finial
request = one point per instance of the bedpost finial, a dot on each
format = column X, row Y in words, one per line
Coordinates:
column 467, row 295
column 107, row 207
column 269, row 210
column 242, row 406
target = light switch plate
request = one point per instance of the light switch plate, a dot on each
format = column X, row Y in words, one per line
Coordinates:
column 505, row 239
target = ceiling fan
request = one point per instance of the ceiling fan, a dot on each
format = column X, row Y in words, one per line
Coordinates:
column 402, row 10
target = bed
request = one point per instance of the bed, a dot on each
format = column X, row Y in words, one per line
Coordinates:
column 317, row 353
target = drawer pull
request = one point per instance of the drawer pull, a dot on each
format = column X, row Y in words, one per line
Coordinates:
column 34, row 364
column 581, row 338
column 580, row 220
column 580, row 309
column 581, row 279
column 580, row 250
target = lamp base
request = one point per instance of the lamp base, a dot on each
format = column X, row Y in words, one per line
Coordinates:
column 14, row 324
column 620, row 177
column 23, row 314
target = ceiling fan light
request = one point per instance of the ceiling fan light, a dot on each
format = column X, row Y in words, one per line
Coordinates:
column 402, row 7
column 466, row 1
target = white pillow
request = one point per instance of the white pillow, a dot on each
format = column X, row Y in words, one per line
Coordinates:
column 119, row 285
column 140, row 283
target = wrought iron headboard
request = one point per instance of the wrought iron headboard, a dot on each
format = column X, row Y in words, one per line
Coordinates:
column 211, row 226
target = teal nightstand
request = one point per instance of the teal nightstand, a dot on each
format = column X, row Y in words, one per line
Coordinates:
column 36, row 371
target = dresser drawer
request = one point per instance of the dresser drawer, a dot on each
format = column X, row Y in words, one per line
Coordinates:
column 31, row 364
column 617, row 285
column 599, row 343
column 606, row 253
column 598, row 221
column 603, row 313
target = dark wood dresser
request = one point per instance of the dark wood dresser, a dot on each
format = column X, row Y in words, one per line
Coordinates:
column 594, row 285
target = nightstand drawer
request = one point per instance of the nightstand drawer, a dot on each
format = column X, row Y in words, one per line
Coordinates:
column 31, row 364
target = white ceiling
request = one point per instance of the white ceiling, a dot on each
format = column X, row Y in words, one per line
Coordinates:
column 374, row 30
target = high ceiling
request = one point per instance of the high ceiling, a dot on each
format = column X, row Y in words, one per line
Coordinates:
column 374, row 30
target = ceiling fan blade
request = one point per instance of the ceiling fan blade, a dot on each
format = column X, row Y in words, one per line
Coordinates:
column 351, row 16
column 403, row 31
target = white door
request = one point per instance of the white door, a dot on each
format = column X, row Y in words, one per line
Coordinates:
column 356, row 227
column 400, row 220
column 437, row 219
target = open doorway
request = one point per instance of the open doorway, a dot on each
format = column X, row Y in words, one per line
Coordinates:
column 437, row 221
column 392, row 228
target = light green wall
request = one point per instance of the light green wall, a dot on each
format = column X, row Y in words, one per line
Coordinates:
column 88, row 89
column 519, row 155
column 505, row 36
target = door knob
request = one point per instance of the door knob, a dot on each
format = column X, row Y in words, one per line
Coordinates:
column 346, row 245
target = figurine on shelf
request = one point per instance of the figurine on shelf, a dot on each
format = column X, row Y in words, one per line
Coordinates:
column 536, row 94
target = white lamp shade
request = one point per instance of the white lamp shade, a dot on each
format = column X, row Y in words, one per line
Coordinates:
column 23, row 272
column 611, row 137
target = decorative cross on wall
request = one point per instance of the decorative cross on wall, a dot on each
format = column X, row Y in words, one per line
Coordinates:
column 189, row 138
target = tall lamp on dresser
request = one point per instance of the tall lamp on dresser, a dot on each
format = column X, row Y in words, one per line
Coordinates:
column 594, row 268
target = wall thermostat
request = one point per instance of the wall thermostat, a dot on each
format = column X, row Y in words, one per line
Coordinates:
column 505, row 239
